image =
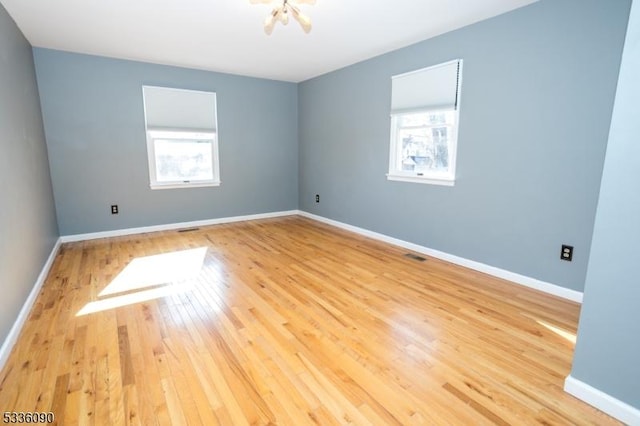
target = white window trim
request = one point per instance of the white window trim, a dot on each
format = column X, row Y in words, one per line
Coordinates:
column 420, row 179
column 184, row 185
column 154, row 184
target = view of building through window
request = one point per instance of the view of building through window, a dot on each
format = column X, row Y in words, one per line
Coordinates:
column 423, row 141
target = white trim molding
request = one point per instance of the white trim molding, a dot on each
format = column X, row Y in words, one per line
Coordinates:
column 12, row 337
column 553, row 289
column 602, row 401
column 417, row 179
column 184, row 185
column 172, row 226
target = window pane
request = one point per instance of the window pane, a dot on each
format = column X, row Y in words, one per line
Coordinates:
column 423, row 142
column 183, row 160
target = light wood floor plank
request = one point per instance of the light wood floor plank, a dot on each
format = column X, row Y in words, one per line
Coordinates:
column 287, row 321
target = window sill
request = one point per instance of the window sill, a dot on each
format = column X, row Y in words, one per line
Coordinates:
column 424, row 180
column 184, row 185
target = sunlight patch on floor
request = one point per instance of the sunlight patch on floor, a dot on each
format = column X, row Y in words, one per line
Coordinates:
column 168, row 273
column 162, row 268
column 133, row 298
column 571, row 337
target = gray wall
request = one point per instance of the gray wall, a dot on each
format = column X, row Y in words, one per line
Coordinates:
column 94, row 121
column 537, row 96
column 28, row 228
column 608, row 346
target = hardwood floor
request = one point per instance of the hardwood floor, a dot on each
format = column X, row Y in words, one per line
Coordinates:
column 287, row 321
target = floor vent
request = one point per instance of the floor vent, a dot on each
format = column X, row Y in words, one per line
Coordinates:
column 415, row 257
column 188, row 229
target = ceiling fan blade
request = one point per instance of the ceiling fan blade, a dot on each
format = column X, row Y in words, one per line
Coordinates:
column 283, row 16
column 303, row 20
column 270, row 21
column 260, row 1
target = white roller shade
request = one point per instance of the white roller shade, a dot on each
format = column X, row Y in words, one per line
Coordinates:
column 179, row 109
column 433, row 88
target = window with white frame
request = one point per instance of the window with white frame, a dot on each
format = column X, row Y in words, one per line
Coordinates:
column 182, row 140
column 424, row 124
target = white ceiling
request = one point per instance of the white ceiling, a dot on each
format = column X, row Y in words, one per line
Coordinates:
column 227, row 35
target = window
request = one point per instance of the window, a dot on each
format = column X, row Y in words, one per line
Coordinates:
column 182, row 141
column 181, row 156
column 424, row 124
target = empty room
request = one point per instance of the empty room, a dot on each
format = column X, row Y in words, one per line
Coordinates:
column 320, row 212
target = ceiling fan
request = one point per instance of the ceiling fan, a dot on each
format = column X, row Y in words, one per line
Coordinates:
column 281, row 11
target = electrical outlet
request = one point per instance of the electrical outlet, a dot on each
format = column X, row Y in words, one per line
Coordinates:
column 566, row 253
column 317, row 198
column 114, row 209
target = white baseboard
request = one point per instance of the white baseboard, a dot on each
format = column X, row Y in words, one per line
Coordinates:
column 543, row 286
column 12, row 337
column 171, row 226
column 602, row 401
column 546, row 287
